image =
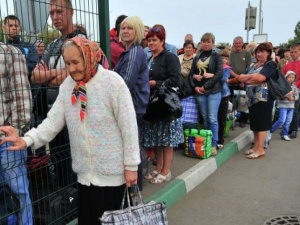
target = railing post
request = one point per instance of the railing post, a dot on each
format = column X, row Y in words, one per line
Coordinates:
column 104, row 27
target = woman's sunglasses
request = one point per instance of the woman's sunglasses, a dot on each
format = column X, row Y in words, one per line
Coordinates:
column 154, row 29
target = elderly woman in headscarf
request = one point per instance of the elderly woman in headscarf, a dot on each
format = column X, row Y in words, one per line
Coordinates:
column 96, row 106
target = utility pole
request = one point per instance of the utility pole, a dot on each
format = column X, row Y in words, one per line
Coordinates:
column 248, row 21
column 260, row 28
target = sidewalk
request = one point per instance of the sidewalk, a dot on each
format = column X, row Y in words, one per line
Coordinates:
column 188, row 173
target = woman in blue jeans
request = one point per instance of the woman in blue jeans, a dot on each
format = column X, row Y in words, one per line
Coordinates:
column 205, row 76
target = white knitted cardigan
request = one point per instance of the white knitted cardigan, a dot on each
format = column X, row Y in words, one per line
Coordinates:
column 106, row 141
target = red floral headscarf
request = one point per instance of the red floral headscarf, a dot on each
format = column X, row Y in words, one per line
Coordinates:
column 92, row 55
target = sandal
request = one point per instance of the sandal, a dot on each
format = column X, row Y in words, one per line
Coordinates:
column 255, row 156
column 161, row 178
column 220, row 146
column 214, row 151
column 249, row 152
column 151, row 175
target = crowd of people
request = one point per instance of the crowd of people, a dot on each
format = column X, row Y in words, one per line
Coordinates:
column 66, row 95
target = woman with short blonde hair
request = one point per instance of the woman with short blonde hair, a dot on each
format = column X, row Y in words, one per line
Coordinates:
column 132, row 67
column 136, row 24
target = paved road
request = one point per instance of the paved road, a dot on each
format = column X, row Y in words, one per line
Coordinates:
column 246, row 192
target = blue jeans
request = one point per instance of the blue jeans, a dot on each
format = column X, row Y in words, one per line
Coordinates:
column 285, row 119
column 13, row 172
column 209, row 105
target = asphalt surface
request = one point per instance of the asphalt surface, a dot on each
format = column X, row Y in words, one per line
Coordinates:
column 244, row 191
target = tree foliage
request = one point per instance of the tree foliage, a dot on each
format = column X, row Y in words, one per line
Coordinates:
column 297, row 30
column 49, row 34
column 295, row 39
column 224, row 44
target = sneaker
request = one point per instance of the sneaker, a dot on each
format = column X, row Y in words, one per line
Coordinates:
column 269, row 135
column 285, row 137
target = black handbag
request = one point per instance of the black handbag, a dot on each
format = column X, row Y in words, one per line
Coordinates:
column 279, row 86
column 185, row 88
column 164, row 104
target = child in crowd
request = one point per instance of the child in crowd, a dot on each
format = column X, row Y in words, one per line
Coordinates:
column 223, row 108
column 286, row 107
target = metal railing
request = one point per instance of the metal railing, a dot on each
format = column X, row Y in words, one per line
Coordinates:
column 52, row 185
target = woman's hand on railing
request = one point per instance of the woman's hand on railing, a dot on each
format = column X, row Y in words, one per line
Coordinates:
column 13, row 137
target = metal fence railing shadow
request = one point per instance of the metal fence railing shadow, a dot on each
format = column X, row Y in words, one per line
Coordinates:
column 38, row 186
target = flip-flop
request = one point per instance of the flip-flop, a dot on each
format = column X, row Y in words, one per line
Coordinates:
column 255, row 156
column 249, row 152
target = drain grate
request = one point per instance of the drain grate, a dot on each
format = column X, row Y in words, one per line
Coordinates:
column 283, row 220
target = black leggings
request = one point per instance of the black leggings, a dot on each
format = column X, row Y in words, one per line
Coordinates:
column 222, row 118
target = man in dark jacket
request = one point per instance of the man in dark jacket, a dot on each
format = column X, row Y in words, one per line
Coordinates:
column 51, row 72
column 12, row 28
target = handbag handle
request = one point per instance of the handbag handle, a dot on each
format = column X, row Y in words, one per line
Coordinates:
column 136, row 189
column 126, row 195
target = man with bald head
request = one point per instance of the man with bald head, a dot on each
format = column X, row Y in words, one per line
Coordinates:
column 187, row 38
column 240, row 60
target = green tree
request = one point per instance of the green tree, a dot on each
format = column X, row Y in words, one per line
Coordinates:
column 224, row 44
column 294, row 40
column 297, row 30
column 49, row 34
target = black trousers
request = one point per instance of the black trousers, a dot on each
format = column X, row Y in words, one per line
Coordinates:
column 222, row 118
column 139, row 118
column 93, row 201
column 295, row 121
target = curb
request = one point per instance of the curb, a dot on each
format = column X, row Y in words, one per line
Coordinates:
column 187, row 181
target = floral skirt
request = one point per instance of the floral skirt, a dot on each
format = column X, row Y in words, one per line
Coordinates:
column 163, row 133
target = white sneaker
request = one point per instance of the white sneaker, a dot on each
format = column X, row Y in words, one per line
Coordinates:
column 285, row 137
column 269, row 135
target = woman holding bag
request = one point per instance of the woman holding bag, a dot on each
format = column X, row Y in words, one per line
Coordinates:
column 132, row 67
column 96, row 106
column 165, row 133
column 190, row 113
column 260, row 104
column 205, row 76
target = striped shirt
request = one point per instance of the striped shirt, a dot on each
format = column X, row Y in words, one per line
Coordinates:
column 15, row 95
